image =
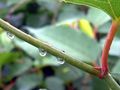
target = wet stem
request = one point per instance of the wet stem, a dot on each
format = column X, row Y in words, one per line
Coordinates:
column 54, row 51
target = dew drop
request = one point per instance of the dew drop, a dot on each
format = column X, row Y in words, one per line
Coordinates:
column 10, row 35
column 60, row 60
column 42, row 52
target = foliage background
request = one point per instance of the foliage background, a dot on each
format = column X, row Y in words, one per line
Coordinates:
column 60, row 24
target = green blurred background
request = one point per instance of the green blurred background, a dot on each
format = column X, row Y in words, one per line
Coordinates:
column 79, row 31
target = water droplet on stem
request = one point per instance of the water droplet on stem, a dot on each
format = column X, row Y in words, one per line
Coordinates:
column 42, row 52
column 10, row 35
column 60, row 60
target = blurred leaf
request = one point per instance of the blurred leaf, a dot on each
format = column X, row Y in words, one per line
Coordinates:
column 99, row 84
column 28, row 48
column 3, row 12
column 115, row 51
column 37, row 20
column 8, row 57
column 74, row 43
column 52, row 5
column 20, row 67
column 28, row 81
column 65, row 72
column 70, row 12
column 112, row 60
column 116, row 68
column 11, row 2
column 96, row 17
column 48, row 60
column 79, row 24
column 1, row 30
column 118, row 33
column 5, row 42
column 116, row 76
column 104, row 29
column 54, row 83
column 3, row 1
column 86, row 27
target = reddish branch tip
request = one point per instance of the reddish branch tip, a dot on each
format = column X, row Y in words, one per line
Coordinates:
column 104, row 58
column 103, row 72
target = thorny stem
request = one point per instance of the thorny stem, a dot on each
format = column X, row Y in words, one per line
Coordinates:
column 49, row 48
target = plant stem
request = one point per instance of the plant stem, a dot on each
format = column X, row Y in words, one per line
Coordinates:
column 109, row 39
column 48, row 47
column 58, row 53
column 111, row 82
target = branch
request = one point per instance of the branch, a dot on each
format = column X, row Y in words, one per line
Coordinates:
column 109, row 39
column 58, row 53
column 111, row 82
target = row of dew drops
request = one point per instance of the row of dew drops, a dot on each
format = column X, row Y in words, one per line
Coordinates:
column 42, row 52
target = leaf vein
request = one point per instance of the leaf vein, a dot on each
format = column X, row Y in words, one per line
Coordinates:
column 112, row 9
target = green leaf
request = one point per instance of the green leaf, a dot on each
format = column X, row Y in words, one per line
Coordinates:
column 111, row 7
column 73, row 43
column 8, row 57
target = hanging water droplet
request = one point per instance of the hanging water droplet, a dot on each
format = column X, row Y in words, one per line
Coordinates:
column 10, row 35
column 60, row 60
column 42, row 52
